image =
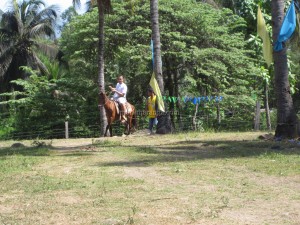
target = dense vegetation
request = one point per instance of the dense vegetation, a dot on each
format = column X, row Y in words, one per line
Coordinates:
column 206, row 51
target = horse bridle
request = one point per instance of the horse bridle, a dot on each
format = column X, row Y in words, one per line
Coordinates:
column 105, row 101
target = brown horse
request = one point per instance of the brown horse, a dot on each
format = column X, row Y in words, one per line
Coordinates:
column 113, row 114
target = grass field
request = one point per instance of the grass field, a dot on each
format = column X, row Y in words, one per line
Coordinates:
column 192, row 178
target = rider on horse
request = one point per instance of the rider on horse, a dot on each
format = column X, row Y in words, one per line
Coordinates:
column 120, row 96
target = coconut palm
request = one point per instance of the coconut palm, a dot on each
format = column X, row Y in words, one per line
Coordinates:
column 164, row 121
column 23, row 30
column 156, row 43
column 103, row 7
column 287, row 123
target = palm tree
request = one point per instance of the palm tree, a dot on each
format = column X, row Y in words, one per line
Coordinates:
column 23, row 30
column 164, row 121
column 156, row 43
column 103, row 7
column 287, row 122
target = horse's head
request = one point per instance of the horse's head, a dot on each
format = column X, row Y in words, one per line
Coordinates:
column 102, row 98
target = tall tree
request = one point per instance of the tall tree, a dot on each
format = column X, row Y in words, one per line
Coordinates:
column 164, row 121
column 103, row 6
column 156, row 43
column 22, row 31
column 287, row 122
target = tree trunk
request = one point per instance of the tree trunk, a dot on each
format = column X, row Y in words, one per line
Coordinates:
column 156, row 44
column 257, row 116
column 268, row 117
column 164, row 122
column 170, row 88
column 178, row 106
column 218, row 114
column 103, row 119
column 194, row 121
column 287, row 122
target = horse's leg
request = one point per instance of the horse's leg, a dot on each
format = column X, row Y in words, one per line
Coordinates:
column 107, row 126
column 126, row 127
column 133, row 121
column 110, row 130
column 129, row 124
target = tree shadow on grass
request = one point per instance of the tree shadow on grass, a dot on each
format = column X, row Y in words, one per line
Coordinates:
column 203, row 150
column 25, row 151
column 82, row 150
column 171, row 152
column 42, row 149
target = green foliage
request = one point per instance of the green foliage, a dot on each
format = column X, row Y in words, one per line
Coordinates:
column 21, row 32
column 203, row 45
column 204, row 53
column 43, row 107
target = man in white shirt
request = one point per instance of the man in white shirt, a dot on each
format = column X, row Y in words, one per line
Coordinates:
column 120, row 96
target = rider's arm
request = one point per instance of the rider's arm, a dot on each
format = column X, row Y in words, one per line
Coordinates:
column 115, row 91
column 119, row 93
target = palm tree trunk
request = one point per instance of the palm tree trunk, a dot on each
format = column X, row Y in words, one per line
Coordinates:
column 164, row 121
column 103, row 119
column 156, row 44
column 287, row 122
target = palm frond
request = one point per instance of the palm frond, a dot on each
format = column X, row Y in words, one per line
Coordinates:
column 35, row 62
column 9, row 22
column 47, row 49
column 28, row 8
column 41, row 29
column 18, row 16
column 6, row 56
column 76, row 4
column 20, row 28
column 89, row 6
column 49, row 12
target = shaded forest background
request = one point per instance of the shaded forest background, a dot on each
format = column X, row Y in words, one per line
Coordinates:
column 213, row 69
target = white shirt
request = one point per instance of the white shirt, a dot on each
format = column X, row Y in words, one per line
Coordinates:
column 122, row 88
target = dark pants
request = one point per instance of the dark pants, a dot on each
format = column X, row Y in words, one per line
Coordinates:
column 152, row 122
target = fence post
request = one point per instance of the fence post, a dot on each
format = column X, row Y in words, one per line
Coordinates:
column 66, row 129
column 257, row 116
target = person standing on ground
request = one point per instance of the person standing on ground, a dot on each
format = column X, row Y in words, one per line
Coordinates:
column 151, row 109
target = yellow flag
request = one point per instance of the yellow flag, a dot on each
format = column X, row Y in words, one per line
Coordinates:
column 155, row 87
column 263, row 33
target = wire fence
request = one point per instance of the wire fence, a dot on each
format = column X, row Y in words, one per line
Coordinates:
column 86, row 123
column 76, row 129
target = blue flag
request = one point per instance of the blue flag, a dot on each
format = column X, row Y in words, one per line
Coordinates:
column 287, row 28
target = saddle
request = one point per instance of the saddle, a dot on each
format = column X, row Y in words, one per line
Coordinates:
column 127, row 106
